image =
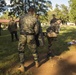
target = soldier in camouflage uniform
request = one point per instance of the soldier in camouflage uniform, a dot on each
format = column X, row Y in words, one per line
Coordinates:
column 52, row 29
column 40, row 34
column 28, row 30
column 12, row 27
column 53, row 20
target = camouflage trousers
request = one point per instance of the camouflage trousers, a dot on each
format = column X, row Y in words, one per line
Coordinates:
column 50, row 40
column 30, row 41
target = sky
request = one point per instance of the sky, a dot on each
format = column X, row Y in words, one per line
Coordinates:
column 59, row 2
column 54, row 2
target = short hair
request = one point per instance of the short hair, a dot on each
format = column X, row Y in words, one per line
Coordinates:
column 31, row 8
column 53, row 15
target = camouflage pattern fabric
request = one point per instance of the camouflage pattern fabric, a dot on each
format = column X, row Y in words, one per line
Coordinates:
column 28, row 30
column 52, row 28
column 53, row 20
column 39, row 37
column 28, row 23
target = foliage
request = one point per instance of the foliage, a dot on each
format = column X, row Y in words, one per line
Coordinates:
column 5, row 15
column 62, row 12
column 2, row 5
column 72, row 4
column 21, row 6
column 57, row 11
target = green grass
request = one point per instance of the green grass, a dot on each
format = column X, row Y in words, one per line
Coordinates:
column 9, row 52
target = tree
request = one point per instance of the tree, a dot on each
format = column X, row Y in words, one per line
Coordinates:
column 62, row 12
column 57, row 11
column 2, row 5
column 5, row 15
column 72, row 4
column 65, row 13
column 21, row 6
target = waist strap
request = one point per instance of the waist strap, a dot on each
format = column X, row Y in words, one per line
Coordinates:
column 26, row 33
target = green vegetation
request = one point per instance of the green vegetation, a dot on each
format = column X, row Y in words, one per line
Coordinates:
column 65, row 13
column 9, row 53
column 72, row 10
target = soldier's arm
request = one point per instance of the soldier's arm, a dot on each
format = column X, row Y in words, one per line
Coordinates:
column 20, row 27
column 51, row 21
column 36, row 28
column 40, row 28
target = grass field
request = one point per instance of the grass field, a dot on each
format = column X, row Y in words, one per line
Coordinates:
column 9, row 52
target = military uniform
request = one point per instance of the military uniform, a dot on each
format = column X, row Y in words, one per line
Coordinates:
column 53, row 20
column 50, row 38
column 12, row 27
column 28, row 30
column 53, row 35
column 54, row 23
column 39, row 37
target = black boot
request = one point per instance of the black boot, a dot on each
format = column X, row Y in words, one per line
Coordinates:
column 50, row 55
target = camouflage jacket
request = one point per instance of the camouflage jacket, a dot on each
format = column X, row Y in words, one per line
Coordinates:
column 28, row 24
column 53, row 27
column 53, row 20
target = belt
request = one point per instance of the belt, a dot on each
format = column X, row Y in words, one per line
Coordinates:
column 26, row 33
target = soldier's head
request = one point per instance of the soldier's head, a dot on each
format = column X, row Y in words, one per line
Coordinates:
column 53, row 15
column 31, row 10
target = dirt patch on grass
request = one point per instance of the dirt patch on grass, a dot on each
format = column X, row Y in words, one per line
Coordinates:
column 64, row 64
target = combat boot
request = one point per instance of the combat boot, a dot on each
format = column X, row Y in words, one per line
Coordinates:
column 49, row 55
column 21, row 68
column 36, row 64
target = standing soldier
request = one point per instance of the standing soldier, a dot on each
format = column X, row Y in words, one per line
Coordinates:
column 53, row 20
column 51, row 36
column 58, row 22
column 51, row 31
column 12, row 27
column 40, row 34
column 28, row 30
